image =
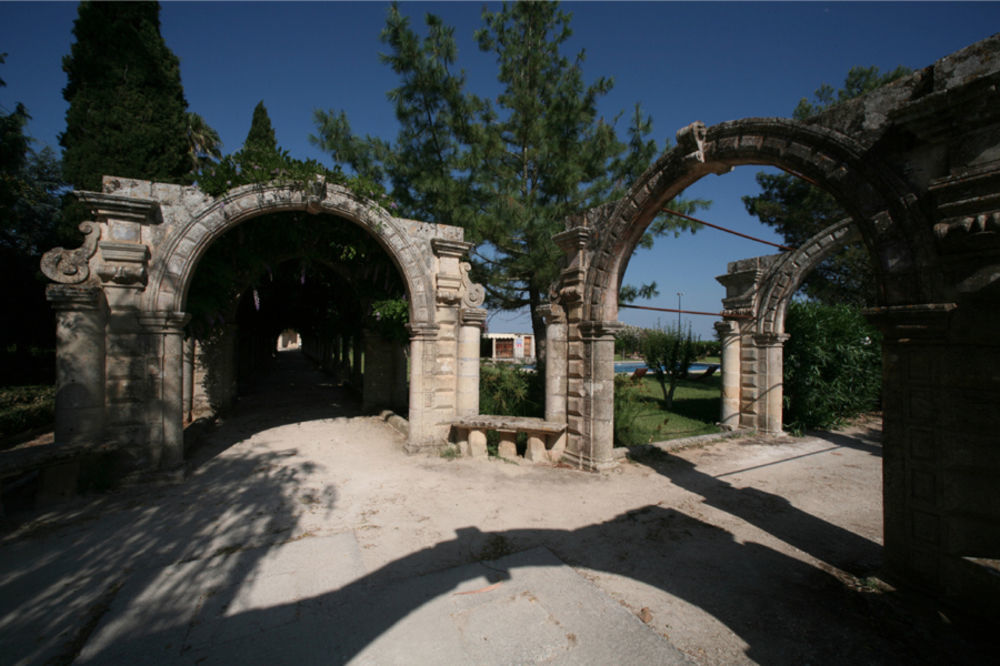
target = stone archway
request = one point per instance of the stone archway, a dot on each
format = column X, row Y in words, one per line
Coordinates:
column 752, row 332
column 600, row 243
column 916, row 164
column 121, row 309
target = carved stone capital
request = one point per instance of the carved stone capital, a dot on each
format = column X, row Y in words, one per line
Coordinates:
column 65, row 297
column 473, row 317
column 599, row 330
column 770, row 339
column 72, row 266
column 422, row 330
column 727, row 328
column 164, row 322
column 552, row 314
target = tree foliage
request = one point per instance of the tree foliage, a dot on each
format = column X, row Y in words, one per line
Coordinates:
column 799, row 210
column 832, row 365
column 510, row 169
column 126, row 113
column 30, row 223
column 302, row 271
column 668, row 352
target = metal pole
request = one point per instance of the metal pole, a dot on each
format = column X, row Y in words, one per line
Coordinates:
column 679, row 294
column 694, row 312
column 728, row 231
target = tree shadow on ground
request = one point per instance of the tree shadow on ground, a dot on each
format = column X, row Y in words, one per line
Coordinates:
column 232, row 509
column 786, row 610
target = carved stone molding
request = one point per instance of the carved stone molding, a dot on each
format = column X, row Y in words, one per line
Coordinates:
column 164, row 322
column 123, row 264
column 691, row 141
column 552, row 313
column 114, row 207
column 449, row 248
column 599, row 330
column 422, row 331
column 72, row 266
column 473, row 317
column 65, row 297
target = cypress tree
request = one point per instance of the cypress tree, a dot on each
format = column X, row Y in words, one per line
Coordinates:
column 127, row 109
column 261, row 135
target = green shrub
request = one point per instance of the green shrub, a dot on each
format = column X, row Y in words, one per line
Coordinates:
column 25, row 407
column 833, row 365
column 507, row 390
column 628, row 407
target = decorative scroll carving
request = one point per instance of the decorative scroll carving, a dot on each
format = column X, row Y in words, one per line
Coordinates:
column 72, row 266
column 473, row 294
column 691, row 141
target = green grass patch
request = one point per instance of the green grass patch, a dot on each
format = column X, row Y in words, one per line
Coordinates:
column 640, row 416
column 26, row 407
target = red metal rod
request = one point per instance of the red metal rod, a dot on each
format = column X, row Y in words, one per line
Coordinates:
column 728, row 231
column 695, row 312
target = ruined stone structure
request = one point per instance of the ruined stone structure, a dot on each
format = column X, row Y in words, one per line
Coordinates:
column 122, row 361
column 752, row 331
column 916, row 164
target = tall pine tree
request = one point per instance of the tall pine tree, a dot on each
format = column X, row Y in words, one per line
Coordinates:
column 510, row 172
column 798, row 210
column 126, row 113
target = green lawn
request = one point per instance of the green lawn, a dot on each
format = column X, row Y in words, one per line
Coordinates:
column 643, row 419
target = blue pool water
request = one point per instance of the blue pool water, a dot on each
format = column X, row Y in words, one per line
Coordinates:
column 632, row 366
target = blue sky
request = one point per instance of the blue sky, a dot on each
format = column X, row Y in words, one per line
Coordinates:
column 683, row 61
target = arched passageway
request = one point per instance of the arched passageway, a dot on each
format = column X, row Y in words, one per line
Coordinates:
column 122, row 303
column 916, row 165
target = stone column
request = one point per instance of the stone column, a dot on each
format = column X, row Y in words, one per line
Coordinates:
column 188, row 379
column 80, row 363
column 729, row 333
column 770, row 356
column 165, row 415
column 555, row 362
column 597, row 444
column 423, row 338
column 470, row 332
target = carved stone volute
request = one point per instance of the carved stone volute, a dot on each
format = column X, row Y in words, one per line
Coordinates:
column 72, row 266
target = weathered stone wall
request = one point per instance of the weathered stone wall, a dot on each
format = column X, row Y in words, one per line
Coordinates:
column 128, row 283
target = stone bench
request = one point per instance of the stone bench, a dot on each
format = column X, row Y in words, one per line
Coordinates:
column 546, row 439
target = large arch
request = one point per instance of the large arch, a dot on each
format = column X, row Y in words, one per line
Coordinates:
column 916, row 165
column 121, row 302
column 600, row 243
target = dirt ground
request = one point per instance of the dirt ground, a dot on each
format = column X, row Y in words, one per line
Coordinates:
column 741, row 550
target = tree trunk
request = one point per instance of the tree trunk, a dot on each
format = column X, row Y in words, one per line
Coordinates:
column 539, row 330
